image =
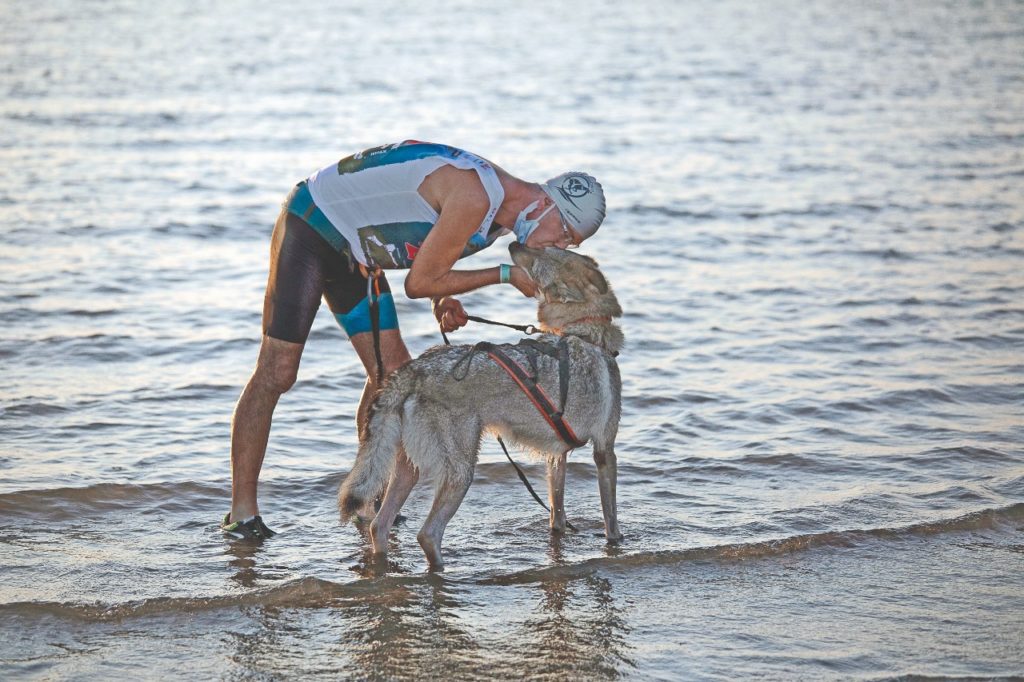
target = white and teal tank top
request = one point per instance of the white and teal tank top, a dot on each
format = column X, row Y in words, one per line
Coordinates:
column 372, row 199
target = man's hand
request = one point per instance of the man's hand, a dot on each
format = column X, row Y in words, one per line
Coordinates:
column 520, row 280
column 449, row 313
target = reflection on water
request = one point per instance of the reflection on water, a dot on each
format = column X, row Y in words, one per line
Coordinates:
column 243, row 562
column 408, row 627
column 578, row 629
column 429, row 626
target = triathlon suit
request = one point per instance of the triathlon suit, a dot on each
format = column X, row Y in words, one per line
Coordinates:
column 358, row 216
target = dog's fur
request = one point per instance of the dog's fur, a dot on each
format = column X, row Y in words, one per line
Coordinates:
column 435, row 409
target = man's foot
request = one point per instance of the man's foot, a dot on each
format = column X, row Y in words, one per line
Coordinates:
column 250, row 529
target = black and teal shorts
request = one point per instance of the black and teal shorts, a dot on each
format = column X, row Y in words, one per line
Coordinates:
column 309, row 260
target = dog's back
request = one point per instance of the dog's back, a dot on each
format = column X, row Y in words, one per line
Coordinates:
column 437, row 407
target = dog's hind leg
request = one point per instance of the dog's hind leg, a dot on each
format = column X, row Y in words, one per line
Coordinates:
column 446, row 444
column 403, row 478
column 607, row 473
column 449, row 496
column 556, row 491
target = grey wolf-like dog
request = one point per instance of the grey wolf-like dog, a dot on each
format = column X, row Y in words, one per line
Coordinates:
column 430, row 414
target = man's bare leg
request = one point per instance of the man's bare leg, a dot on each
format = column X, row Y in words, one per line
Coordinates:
column 393, row 353
column 276, row 369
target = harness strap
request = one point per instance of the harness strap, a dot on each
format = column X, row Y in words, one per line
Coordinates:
column 468, row 358
column 536, row 394
column 560, row 353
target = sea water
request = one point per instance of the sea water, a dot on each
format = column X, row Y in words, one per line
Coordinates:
column 816, row 230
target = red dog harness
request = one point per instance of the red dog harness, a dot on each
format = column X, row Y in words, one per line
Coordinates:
column 528, row 382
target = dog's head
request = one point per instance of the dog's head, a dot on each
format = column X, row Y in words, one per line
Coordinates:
column 561, row 276
column 574, row 296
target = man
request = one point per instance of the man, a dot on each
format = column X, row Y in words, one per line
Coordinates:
column 409, row 205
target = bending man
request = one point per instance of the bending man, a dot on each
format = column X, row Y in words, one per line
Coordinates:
column 411, row 205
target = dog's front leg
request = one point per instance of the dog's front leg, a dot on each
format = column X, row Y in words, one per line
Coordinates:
column 556, row 491
column 606, row 477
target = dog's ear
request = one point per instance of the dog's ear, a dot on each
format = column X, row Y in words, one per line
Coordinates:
column 569, row 292
column 597, row 280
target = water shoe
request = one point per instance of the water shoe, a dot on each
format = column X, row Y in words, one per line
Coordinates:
column 250, row 529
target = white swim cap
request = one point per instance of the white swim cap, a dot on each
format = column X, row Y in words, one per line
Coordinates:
column 579, row 198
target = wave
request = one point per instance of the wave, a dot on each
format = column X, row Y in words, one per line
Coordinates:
column 32, row 409
column 985, row 519
column 300, row 592
column 145, row 120
column 317, row 592
column 99, row 499
column 669, row 212
column 826, row 210
column 56, row 504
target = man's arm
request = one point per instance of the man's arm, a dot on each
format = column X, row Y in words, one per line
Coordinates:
column 463, row 205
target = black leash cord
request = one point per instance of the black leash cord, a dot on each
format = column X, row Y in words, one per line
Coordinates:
column 519, row 471
column 524, row 328
column 373, row 298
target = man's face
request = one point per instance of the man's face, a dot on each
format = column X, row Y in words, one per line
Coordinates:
column 553, row 231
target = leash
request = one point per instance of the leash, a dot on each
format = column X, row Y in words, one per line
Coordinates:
column 373, row 299
column 526, row 329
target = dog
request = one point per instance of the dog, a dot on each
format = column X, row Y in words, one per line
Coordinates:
column 430, row 414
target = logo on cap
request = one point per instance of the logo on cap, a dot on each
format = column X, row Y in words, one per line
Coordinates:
column 575, row 187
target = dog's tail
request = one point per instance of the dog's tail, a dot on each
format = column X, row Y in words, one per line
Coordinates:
column 376, row 457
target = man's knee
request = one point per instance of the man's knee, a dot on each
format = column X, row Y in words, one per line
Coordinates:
column 276, row 379
column 278, row 365
column 393, row 352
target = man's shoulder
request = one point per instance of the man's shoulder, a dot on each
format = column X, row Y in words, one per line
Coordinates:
column 461, row 184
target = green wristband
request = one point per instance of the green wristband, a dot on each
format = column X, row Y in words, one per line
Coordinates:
column 505, row 273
